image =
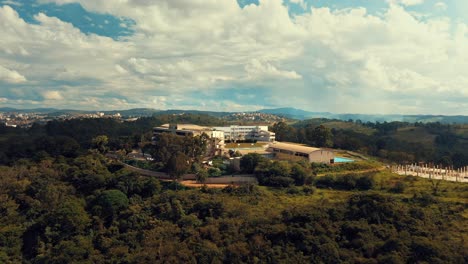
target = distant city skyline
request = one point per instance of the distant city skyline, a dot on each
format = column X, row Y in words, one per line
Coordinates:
column 362, row 56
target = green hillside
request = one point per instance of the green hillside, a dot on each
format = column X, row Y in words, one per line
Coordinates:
column 414, row 134
column 62, row 200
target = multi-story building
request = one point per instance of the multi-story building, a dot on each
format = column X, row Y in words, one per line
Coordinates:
column 257, row 133
column 216, row 142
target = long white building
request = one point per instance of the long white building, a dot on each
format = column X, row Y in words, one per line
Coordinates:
column 258, row 133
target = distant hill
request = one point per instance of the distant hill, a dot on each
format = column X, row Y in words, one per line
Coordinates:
column 57, row 112
column 34, row 110
column 175, row 111
column 299, row 114
column 295, row 113
column 135, row 112
column 287, row 112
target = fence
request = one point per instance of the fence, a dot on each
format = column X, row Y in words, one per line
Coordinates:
column 433, row 172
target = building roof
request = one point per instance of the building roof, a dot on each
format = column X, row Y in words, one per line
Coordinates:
column 293, row 147
column 256, row 150
column 190, row 127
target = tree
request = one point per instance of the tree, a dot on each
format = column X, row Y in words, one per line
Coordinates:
column 100, row 143
column 299, row 174
column 200, row 172
column 177, row 165
column 276, row 173
column 321, row 136
column 283, row 132
column 145, row 142
column 249, row 161
column 70, row 216
column 112, row 202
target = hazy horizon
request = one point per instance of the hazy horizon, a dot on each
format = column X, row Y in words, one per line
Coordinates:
column 403, row 57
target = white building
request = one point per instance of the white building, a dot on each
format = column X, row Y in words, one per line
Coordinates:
column 216, row 142
column 258, row 133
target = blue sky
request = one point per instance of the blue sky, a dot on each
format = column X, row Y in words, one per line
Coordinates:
column 342, row 56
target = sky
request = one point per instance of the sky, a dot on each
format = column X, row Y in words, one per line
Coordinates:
column 340, row 56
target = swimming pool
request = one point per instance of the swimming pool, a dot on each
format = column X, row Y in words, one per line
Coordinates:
column 342, row 160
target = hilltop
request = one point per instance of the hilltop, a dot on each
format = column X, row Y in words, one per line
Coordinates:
column 285, row 113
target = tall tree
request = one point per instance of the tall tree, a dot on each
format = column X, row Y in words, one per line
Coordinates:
column 100, row 143
column 321, row 136
column 177, row 165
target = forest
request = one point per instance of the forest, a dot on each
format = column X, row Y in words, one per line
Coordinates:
column 62, row 200
column 398, row 142
column 89, row 209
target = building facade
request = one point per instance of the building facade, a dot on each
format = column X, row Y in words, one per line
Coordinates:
column 310, row 153
column 216, row 138
column 256, row 133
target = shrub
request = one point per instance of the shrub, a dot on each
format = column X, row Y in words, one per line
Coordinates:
column 309, row 190
column 214, row 172
column 365, row 182
column 279, row 181
column 398, row 188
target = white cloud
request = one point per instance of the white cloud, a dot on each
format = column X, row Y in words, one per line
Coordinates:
column 52, row 95
column 341, row 60
column 407, row 2
column 11, row 76
column 440, row 6
column 258, row 70
column 11, row 2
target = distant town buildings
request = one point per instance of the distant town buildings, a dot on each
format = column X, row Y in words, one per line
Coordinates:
column 256, row 117
column 27, row 119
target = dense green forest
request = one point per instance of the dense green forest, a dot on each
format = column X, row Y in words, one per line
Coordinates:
column 399, row 142
column 63, row 201
column 89, row 209
column 73, row 137
column 395, row 141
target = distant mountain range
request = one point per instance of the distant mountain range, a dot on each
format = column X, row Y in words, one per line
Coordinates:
column 299, row 114
column 57, row 112
column 288, row 112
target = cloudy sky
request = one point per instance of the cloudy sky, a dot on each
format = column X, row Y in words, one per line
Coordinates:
column 341, row 56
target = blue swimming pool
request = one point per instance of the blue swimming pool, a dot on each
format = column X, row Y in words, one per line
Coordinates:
column 342, row 160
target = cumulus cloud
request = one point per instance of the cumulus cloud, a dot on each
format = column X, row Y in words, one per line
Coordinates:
column 407, row 2
column 11, row 2
column 440, row 6
column 341, row 60
column 11, row 76
column 52, row 95
column 258, row 70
